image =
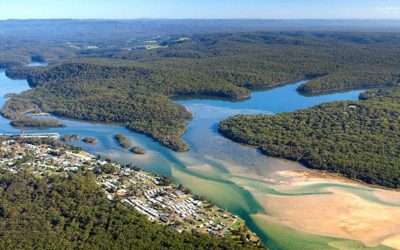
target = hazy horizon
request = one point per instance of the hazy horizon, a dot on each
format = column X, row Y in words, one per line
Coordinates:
column 124, row 29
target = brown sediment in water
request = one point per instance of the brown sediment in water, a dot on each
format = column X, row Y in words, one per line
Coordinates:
column 339, row 213
column 393, row 241
column 146, row 158
column 308, row 176
column 388, row 196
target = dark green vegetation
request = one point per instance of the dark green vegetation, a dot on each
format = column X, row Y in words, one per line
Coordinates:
column 134, row 87
column 123, row 140
column 73, row 213
column 357, row 79
column 357, row 139
column 17, row 107
column 22, row 71
column 111, row 92
column 28, row 122
column 125, row 143
column 21, row 113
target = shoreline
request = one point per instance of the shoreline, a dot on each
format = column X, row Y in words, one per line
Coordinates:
column 158, row 198
column 341, row 214
column 243, row 172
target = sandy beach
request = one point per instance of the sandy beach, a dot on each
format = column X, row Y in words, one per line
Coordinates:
column 337, row 213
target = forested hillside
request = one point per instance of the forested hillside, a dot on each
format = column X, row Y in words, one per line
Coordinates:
column 73, row 213
column 135, row 87
column 357, row 139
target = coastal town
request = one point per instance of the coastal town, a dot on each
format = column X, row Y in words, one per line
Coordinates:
column 157, row 198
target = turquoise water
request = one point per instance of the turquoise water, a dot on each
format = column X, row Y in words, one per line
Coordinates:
column 207, row 168
column 206, row 143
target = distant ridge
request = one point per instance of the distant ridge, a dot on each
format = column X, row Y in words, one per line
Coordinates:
column 86, row 29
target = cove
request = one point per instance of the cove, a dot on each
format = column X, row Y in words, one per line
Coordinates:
column 227, row 173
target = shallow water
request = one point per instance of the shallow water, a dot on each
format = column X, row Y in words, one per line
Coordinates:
column 216, row 167
column 206, row 143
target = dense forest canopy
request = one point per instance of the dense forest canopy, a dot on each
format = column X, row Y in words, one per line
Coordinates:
column 135, row 87
column 73, row 213
column 113, row 77
column 357, row 139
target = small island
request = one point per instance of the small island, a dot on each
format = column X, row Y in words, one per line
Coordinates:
column 28, row 122
column 90, row 140
column 123, row 141
column 137, row 150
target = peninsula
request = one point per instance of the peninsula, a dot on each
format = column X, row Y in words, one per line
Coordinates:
column 98, row 192
column 135, row 87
